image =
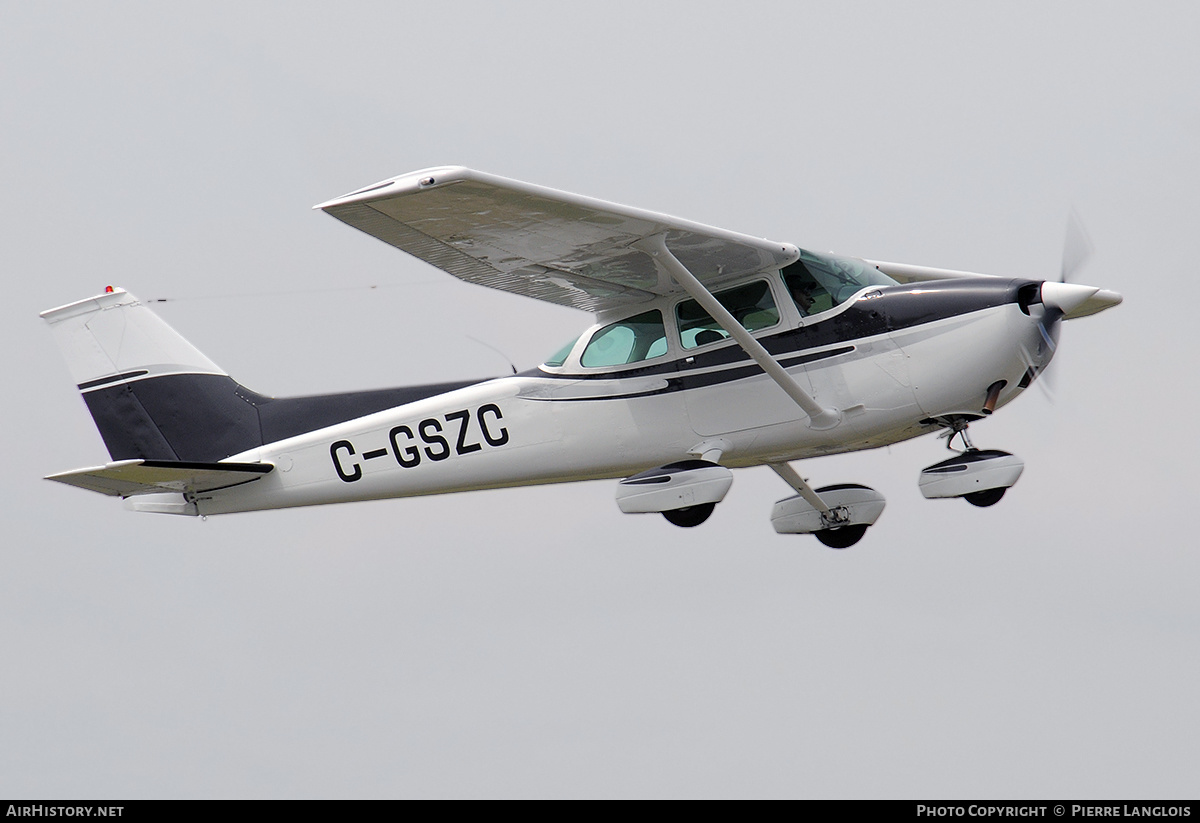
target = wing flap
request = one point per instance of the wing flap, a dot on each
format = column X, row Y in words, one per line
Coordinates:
column 542, row 243
column 129, row 477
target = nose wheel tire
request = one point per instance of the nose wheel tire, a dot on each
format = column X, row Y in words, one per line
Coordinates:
column 841, row 538
column 689, row 516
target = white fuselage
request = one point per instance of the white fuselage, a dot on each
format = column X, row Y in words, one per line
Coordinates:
column 547, row 427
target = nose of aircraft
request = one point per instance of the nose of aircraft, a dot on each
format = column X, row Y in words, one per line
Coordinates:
column 1077, row 300
column 1066, row 297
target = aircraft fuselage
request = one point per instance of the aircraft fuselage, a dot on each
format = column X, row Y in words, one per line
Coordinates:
column 891, row 360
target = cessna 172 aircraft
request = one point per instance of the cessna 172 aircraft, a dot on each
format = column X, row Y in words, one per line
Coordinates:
column 711, row 350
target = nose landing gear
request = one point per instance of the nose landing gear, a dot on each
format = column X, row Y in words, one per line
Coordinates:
column 979, row 476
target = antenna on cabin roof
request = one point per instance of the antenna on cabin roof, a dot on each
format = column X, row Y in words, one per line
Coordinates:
column 507, row 359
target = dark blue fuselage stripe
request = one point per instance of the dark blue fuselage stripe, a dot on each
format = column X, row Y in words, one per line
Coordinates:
column 685, row 382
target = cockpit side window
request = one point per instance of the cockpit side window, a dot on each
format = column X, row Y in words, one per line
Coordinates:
column 809, row 295
column 752, row 305
column 632, row 340
column 818, row 282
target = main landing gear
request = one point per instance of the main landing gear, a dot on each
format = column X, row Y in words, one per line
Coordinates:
column 837, row 515
column 979, row 476
column 685, row 493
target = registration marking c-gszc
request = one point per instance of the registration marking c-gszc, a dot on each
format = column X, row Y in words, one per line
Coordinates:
column 404, row 442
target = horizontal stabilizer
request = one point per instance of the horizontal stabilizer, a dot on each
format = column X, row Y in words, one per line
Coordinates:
column 130, row 477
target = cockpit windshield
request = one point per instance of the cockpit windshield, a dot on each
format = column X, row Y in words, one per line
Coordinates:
column 818, row 282
column 560, row 356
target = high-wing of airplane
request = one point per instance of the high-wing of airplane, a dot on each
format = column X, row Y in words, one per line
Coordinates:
column 711, row 350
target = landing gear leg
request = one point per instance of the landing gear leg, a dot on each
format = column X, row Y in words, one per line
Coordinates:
column 958, row 426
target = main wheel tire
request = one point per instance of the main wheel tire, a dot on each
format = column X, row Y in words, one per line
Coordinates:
column 842, row 538
column 983, row 499
column 690, row 515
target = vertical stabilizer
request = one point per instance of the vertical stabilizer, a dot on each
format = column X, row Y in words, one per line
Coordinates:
column 153, row 394
column 111, row 334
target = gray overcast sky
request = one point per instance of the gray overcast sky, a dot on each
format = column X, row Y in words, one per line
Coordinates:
column 536, row 641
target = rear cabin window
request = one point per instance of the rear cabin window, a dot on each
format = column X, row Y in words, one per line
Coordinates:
column 632, row 340
column 752, row 305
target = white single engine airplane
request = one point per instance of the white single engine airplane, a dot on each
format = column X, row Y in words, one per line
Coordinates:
column 711, row 350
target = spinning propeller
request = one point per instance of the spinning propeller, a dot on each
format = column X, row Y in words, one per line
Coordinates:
column 1061, row 297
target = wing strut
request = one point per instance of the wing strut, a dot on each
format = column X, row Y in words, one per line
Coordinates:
column 797, row 482
column 819, row 416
